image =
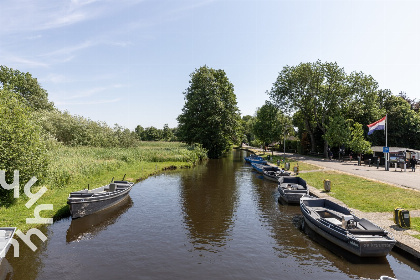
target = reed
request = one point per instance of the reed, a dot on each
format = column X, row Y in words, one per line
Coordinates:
column 73, row 168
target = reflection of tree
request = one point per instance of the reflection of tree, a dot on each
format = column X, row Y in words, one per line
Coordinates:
column 209, row 197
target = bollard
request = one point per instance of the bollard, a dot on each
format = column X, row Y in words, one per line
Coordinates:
column 405, row 167
column 327, row 185
column 370, row 161
column 395, row 164
column 377, row 163
column 358, row 161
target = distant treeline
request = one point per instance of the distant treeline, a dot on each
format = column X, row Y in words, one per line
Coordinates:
column 31, row 126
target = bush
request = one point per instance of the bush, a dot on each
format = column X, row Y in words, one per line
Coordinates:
column 21, row 144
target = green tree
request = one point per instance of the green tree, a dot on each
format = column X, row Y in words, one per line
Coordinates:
column 357, row 143
column 21, row 144
column 167, row 133
column 25, row 86
column 210, row 115
column 270, row 124
column 139, row 131
column 151, row 134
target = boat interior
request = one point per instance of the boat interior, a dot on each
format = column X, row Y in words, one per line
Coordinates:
column 350, row 222
column 115, row 186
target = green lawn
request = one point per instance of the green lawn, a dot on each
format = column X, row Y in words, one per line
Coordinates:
column 365, row 195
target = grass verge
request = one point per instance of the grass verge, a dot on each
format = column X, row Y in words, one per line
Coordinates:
column 363, row 194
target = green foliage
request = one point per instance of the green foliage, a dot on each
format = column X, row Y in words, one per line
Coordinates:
column 27, row 87
column 357, row 143
column 79, row 131
column 270, row 124
column 21, row 144
column 403, row 124
column 210, row 115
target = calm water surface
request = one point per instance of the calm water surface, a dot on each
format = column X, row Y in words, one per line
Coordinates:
column 220, row 220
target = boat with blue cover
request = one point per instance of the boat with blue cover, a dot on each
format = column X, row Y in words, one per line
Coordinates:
column 254, row 158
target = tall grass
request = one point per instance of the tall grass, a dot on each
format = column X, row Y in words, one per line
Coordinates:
column 73, row 168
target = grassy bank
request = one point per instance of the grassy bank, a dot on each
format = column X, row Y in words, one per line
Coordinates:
column 73, row 168
column 363, row 194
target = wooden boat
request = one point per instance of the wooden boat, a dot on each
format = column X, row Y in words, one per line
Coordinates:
column 338, row 225
column 256, row 159
column 291, row 188
column 6, row 236
column 274, row 173
column 85, row 202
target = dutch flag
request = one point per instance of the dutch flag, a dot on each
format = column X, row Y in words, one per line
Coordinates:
column 378, row 125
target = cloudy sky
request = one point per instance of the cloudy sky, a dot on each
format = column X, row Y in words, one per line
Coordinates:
column 129, row 61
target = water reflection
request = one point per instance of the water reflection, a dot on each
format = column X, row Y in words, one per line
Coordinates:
column 209, row 198
column 6, row 270
column 89, row 226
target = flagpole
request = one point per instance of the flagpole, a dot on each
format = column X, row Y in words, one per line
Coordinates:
column 386, row 142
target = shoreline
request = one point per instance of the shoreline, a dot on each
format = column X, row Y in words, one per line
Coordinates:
column 407, row 245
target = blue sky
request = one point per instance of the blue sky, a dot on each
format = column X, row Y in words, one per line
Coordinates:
column 129, row 61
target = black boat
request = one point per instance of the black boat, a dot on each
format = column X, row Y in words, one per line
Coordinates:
column 291, row 188
column 338, row 225
column 85, row 202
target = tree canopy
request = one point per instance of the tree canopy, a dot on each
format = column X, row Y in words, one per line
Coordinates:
column 210, row 115
column 27, row 87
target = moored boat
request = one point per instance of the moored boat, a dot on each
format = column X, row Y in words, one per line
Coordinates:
column 338, row 225
column 260, row 167
column 255, row 159
column 274, row 173
column 6, row 236
column 291, row 188
column 85, row 202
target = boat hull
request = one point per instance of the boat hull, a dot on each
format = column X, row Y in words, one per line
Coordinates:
column 370, row 248
column 370, row 242
column 291, row 189
column 80, row 207
column 6, row 236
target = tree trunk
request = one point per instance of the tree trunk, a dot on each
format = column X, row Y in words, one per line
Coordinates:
column 311, row 135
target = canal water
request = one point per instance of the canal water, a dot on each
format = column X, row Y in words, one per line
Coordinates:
column 219, row 220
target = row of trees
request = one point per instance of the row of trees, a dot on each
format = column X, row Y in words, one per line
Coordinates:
column 326, row 106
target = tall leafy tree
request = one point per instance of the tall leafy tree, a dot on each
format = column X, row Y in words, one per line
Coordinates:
column 210, row 115
column 270, row 124
column 25, row 86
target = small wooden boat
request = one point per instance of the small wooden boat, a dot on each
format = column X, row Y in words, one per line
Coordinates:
column 6, row 236
column 274, row 173
column 85, row 202
column 338, row 225
column 257, row 159
column 291, row 188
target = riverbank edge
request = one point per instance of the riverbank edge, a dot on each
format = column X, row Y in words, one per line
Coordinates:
column 406, row 245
